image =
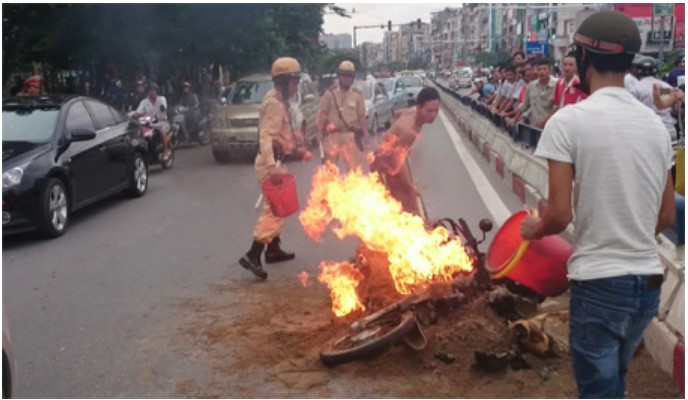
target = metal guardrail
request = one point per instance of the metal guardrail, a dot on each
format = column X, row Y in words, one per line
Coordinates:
column 524, row 134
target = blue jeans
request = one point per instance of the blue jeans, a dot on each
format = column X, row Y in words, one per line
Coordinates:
column 607, row 321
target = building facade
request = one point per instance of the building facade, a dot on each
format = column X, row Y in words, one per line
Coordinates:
column 391, row 47
column 336, row 41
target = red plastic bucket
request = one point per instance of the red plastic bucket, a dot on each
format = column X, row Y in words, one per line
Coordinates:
column 538, row 264
column 282, row 198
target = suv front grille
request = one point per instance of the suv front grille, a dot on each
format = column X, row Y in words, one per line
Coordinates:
column 243, row 122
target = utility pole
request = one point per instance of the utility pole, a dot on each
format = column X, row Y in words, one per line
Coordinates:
column 366, row 27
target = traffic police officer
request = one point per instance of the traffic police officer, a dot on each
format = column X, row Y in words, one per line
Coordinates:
column 342, row 112
column 276, row 139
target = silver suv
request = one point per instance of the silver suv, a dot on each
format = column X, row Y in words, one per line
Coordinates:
column 234, row 126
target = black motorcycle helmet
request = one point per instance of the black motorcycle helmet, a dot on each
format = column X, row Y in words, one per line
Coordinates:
column 647, row 66
column 606, row 40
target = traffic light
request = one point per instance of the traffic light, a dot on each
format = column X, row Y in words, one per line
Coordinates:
column 389, row 25
column 418, row 23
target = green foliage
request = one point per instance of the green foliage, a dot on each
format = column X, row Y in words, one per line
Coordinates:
column 160, row 39
column 328, row 60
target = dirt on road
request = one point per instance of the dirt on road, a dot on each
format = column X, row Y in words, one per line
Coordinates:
column 265, row 342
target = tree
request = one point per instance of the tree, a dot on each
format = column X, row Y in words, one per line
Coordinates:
column 160, row 39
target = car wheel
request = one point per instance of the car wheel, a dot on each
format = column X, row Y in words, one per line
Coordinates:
column 139, row 179
column 54, row 209
column 221, row 157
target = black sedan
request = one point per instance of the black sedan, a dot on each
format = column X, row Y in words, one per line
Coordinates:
column 62, row 153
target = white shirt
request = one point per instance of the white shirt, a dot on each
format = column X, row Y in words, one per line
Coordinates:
column 630, row 81
column 146, row 107
column 621, row 157
column 516, row 90
column 506, row 88
column 642, row 91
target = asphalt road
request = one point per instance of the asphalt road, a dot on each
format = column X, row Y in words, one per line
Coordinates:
column 90, row 313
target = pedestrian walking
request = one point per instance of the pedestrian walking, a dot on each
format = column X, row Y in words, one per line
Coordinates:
column 342, row 118
column 610, row 151
column 276, row 139
column 390, row 156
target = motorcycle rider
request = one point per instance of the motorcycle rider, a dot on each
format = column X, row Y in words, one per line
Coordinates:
column 276, row 139
column 189, row 100
column 648, row 70
column 343, row 110
column 137, row 97
column 156, row 106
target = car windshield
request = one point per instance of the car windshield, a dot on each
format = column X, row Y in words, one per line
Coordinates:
column 388, row 84
column 366, row 88
column 24, row 124
column 465, row 72
column 250, row 92
column 411, row 81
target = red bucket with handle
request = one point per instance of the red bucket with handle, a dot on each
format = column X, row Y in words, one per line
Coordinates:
column 539, row 265
column 282, row 197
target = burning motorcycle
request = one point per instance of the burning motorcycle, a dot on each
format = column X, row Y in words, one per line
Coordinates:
column 154, row 146
column 403, row 320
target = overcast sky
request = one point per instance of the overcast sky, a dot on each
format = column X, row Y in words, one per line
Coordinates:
column 378, row 14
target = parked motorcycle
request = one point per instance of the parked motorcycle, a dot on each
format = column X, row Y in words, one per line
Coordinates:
column 154, row 147
column 198, row 128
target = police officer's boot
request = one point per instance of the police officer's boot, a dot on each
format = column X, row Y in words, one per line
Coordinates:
column 275, row 254
column 251, row 261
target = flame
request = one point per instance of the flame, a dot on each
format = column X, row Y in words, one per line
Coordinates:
column 359, row 205
column 303, row 277
column 342, row 279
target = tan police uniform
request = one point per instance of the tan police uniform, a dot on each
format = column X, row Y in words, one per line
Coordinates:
column 274, row 130
column 342, row 142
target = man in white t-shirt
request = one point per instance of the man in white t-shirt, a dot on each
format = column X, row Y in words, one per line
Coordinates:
column 648, row 69
column 623, row 196
column 156, row 106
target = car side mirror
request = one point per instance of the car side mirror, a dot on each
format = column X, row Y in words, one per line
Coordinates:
column 308, row 98
column 81, row 135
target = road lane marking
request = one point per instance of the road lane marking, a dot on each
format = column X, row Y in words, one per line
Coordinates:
column 497, row 208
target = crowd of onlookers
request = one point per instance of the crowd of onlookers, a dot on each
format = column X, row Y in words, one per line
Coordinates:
column 526, row 93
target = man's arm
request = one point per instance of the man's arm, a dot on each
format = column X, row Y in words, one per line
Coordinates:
column 270, row 127
column 325, row 104
column 666, row 101
column 667, row 210
column 558, row 213
column 360, row 110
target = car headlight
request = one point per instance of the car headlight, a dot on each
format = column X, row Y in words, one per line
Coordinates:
column 12, row 177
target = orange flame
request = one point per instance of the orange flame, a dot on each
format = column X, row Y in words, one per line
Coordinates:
column 342, row 279
column 359, row 205
column 303, row 277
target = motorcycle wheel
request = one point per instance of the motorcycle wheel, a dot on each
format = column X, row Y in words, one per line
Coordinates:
column 376, row 338
column 170, row 161
column 174, row 140
column 203, row 136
